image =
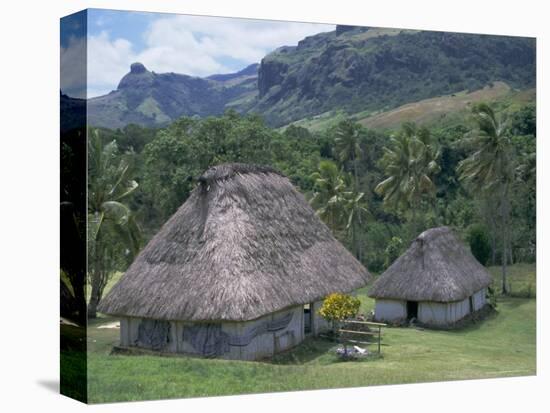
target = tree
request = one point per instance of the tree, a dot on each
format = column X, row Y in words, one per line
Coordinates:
column 348, row 150
column 357, row 213
column 112, row 230
column 479, row 243
column 393, row 250
column 338, row 307
column 490, row 169
column 347, row 144
column 409, row 164
column 328, row 197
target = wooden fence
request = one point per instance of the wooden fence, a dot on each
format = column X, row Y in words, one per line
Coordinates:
column 351, row 333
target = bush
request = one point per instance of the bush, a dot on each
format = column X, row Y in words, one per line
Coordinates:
column 393, row 250
column 479, row 243
column 339, row 307
column 491, row 297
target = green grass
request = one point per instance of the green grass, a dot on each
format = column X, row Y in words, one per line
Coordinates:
column 502, row 345
column 522, row 279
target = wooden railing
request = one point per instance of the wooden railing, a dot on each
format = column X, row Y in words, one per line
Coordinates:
column 349, row 335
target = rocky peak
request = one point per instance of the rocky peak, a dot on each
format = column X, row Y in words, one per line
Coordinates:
column 138, row 78
column 137, row 68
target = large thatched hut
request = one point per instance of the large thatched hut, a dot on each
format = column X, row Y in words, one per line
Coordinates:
column 239, row 271
column 436, row 281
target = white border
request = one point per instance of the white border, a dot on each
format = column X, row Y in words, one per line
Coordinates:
column 29, row 202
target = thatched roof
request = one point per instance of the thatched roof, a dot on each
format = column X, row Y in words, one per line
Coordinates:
column 436, row 267
column 245, row 244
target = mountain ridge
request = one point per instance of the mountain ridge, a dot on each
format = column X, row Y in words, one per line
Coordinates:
column 351, row 69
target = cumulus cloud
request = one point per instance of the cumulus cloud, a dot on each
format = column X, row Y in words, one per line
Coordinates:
column 193, row 45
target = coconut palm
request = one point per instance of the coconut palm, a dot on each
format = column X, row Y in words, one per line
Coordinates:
column 328, row 195
column 348, row 148
column 112, row 230
column 357, row 214
column 409, row 164
column 490, row 168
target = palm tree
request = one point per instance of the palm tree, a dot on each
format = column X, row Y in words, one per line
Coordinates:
column 348, row 146
column 409, row 164
column 110, row 221
column 490, row 169
column 357, row 213
column 328, row 195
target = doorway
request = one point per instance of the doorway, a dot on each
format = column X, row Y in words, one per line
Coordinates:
column 308, row 319
column 412, row 309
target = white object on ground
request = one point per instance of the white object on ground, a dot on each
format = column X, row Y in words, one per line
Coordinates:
column 360, row 350
column 115, row 324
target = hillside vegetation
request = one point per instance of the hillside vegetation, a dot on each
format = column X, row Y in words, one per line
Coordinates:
column 436, row 111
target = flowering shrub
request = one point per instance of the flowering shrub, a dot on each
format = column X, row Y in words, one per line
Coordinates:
column 338, row 307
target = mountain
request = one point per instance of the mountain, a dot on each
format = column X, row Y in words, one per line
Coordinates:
column 151, row 99
column 363, row 69
column 351, row 69
column 249, row 71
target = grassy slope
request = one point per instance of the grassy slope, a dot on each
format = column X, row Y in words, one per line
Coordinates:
column 434, row 109
column 440, row 110
column 503, row 345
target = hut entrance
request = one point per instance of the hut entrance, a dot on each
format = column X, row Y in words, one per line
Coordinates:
column 412, row 309
column 308, row 318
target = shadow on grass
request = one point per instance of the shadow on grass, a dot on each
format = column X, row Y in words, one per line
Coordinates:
column 512, row 302
column 311, row 349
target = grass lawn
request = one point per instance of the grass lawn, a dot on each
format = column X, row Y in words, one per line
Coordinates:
column 521, row 279
column 502, row 345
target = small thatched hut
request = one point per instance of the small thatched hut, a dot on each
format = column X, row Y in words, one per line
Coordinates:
column 437, row 281
column 239, row 271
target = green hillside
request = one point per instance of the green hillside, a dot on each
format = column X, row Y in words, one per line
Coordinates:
column 437, row 111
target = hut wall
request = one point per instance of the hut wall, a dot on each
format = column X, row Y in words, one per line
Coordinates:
column 442, row 313
column 249, row 340
column 390, row 310
column 124, row 332
column 319, row 323
column 479, row 299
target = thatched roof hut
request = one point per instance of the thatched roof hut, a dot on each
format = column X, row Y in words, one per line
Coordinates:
column 438, row 269
column 246, row 244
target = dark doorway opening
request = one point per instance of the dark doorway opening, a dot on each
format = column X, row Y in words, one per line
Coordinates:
column 308, row 318
column 471, row 300
column 412, row 309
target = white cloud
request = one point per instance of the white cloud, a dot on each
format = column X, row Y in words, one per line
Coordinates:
column 193, row 45
column 73, row 68
column 108, row 61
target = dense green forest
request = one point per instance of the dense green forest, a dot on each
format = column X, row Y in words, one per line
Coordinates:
column 375, row 189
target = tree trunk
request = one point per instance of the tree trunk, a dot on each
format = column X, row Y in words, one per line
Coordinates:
column 493, row 248
column 96, row 281
column 489, row 218
column 504, row 223
column 355, row 173
column 414, row 221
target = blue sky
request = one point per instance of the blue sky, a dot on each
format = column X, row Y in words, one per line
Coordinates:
column 193, row 45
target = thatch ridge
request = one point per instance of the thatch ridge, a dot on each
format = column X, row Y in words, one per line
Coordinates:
column 436, row 267
column 245, row 244
column 229, row 170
